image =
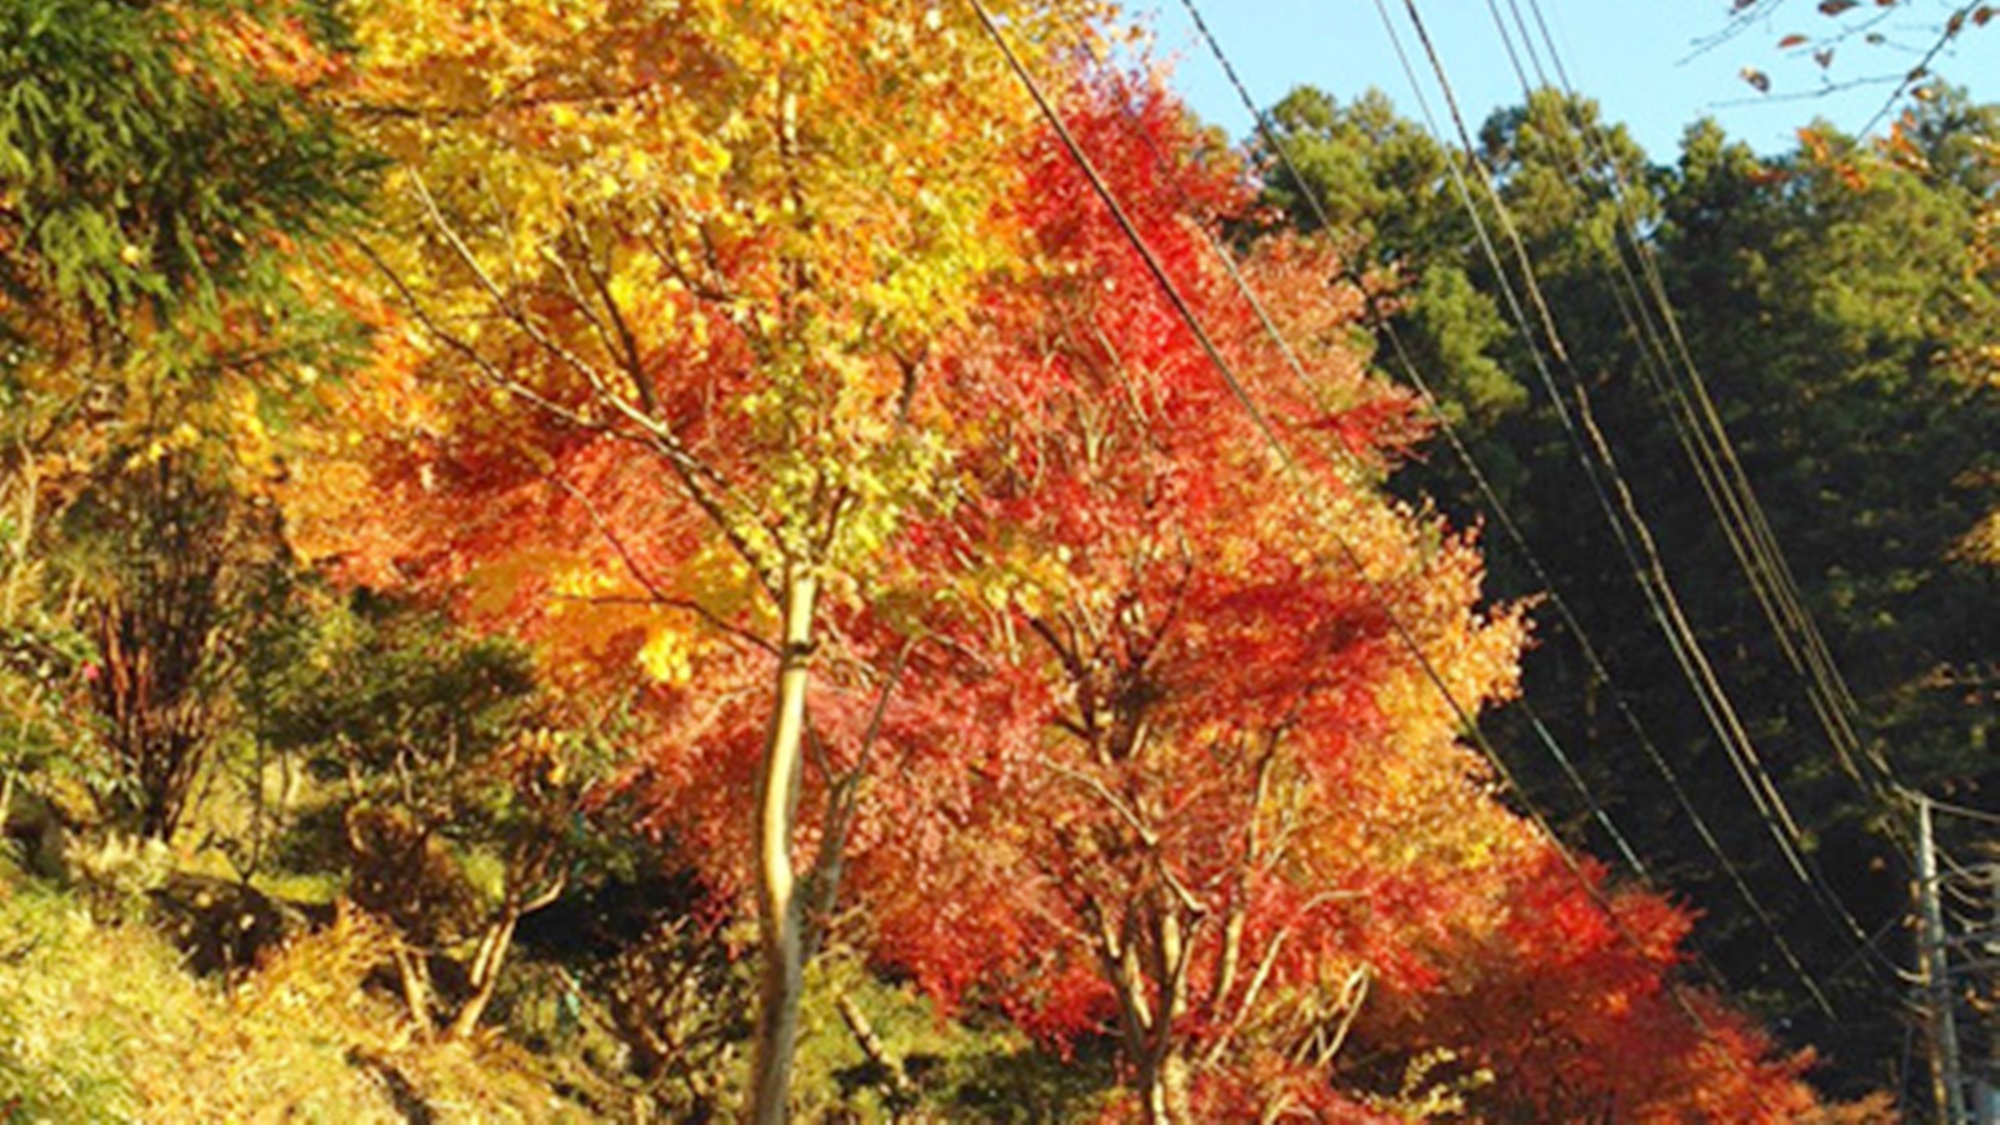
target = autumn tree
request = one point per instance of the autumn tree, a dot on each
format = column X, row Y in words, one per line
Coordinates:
column 663, row 286
column 710, row 357
column 1186, row 781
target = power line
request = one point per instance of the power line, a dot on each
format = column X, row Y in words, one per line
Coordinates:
column 1754, row 542
column 1698, row 426
column 1741, row 516
column 1650, row 576
column 1728, row 493
column 1297, row 369
column 1594, row 661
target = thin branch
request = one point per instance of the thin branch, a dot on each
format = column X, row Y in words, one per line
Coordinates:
column 1353, row 993
column 505, row 303
column 493, row 375
column 1952, row 27
column 579, row 300
column 504, row 102
column 635, row 367
column 692, row 471
column 1826, row 90
column 547, row 895
column 669, row 257
column 1146, row 835
column 841, row 803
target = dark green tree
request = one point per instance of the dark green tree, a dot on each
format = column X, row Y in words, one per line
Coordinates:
column 457, row 800
column 1861, row 364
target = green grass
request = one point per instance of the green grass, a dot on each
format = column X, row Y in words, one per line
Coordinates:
column 100, row 1023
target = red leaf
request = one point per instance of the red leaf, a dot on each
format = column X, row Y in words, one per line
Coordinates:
column 1791, row 41
column 1835, row 7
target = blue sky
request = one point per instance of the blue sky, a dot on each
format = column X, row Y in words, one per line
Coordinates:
column 1638, row 58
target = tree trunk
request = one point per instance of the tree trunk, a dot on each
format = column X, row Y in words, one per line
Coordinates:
column 415, row 978
column 485, row 974
column 1163, row 1090
column 779, row 912
column 1163, row 1069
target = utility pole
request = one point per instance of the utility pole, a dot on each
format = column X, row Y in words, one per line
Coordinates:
column 1986, row 944
column 1946, row 1084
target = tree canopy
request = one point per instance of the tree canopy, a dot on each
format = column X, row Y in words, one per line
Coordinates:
column 853, row 560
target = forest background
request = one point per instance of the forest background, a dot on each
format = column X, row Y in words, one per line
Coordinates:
column 619, row 560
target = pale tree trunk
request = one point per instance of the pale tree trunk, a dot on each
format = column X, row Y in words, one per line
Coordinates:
column 1166, row 1070
column 416, row 979
column 1150, row 981
column 485, row 974
column 779, row 912
column 1163, row 1088
column 493, row 949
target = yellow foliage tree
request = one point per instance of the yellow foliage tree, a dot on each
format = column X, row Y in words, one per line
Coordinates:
column 662, row 282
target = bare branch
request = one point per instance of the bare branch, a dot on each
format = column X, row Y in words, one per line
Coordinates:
column 635, row 367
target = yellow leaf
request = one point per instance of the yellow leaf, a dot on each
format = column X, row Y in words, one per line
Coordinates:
column 668, row 657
